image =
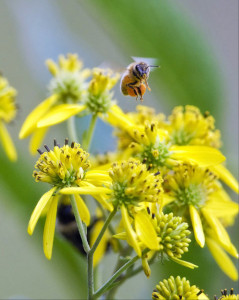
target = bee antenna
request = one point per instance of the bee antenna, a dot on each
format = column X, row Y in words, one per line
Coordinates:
column 153, row 66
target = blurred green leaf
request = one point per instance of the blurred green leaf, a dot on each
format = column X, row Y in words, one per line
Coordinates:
column 153, row 28
column 17, row 179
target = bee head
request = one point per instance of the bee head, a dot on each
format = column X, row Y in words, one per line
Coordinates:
column 142, row 70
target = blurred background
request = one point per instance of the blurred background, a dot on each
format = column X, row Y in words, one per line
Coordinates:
column 196, row 44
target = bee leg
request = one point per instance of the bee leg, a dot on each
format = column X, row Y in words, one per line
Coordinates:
column 140, row 94
column 132, row 86
column 146, row 83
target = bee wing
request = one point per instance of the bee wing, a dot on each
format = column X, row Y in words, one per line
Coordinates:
column 106, row 65
column 148, row 60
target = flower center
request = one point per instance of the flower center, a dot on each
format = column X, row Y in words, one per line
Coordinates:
column 155, row 155
column 133, row 184
column 193, row 194
column 65, row 166
column 68, row 86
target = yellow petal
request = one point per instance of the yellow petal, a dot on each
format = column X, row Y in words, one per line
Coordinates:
column 183, row 262
column 59, row 114
column 197, row 226
column 30, row 123
column 85, row 190
column 7, row 143
column 130, row 232
column 202, row 155
column 83, row 210
column 221, row 204
column 222, row 259
column 145, row 230
column 38, row 210
column 37, row 139
column 146, row 267
column 226, row 176
column 218, row 228
column 121, row 236
column 100, row 250
column 49, row 228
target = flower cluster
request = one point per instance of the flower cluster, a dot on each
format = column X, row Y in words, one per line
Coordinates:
column 8, row 110
column 163, row 182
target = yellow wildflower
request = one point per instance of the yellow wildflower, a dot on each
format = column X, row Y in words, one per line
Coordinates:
column 187, row 126
column 8, row 111
column 66, row 99
column 195, row 192
column 99, row 95
column 66, row 169
column 226, row 296
column 176, row 289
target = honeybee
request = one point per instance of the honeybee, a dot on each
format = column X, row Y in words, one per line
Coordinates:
column 134, row 80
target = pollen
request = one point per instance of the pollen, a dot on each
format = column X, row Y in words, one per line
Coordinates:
column 228, row 295
column 62, row 166
column 187, row 126
column 68, row 80
column 132, row 184
column 176, row 288
column 8, row 108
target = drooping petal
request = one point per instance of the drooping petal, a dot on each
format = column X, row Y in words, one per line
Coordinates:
column 222, row 259
column 145, row 230
column 30, row 123
column 221, row 205
column 102, row 199
column 218, row 228
column 7, row 143
column 83, row 210
column 201, row 155
column 121, row 236
column 59, row 114
column 226, row 176
column 36, row 139
column 183, row 262
column 100, row 250
column 38, row 210
column 132, row 237
column 197, row 226
column 49, row 228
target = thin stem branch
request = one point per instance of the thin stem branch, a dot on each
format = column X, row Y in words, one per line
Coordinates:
column 103, row 229
column 80, row 225
column 71, row 127
column 108, row 283
column 90, row 132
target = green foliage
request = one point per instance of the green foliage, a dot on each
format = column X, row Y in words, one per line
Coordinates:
column 153, row 28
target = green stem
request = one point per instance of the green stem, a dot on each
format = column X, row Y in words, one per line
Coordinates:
column 80, row 225
column 90, row 132
column 106, row 224
column 108, row 283
column 90, row 255
column 71, row 127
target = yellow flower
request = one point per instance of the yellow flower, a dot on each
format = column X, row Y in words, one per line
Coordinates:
column 176, row 289
column 66, row 99
column 132, row 186
column 226, row 296
column 194, row 192
column 142, row 114
column 152, row 145
column 66, row 169
column 99, row 96
column 8, row 111
column 187, row 126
